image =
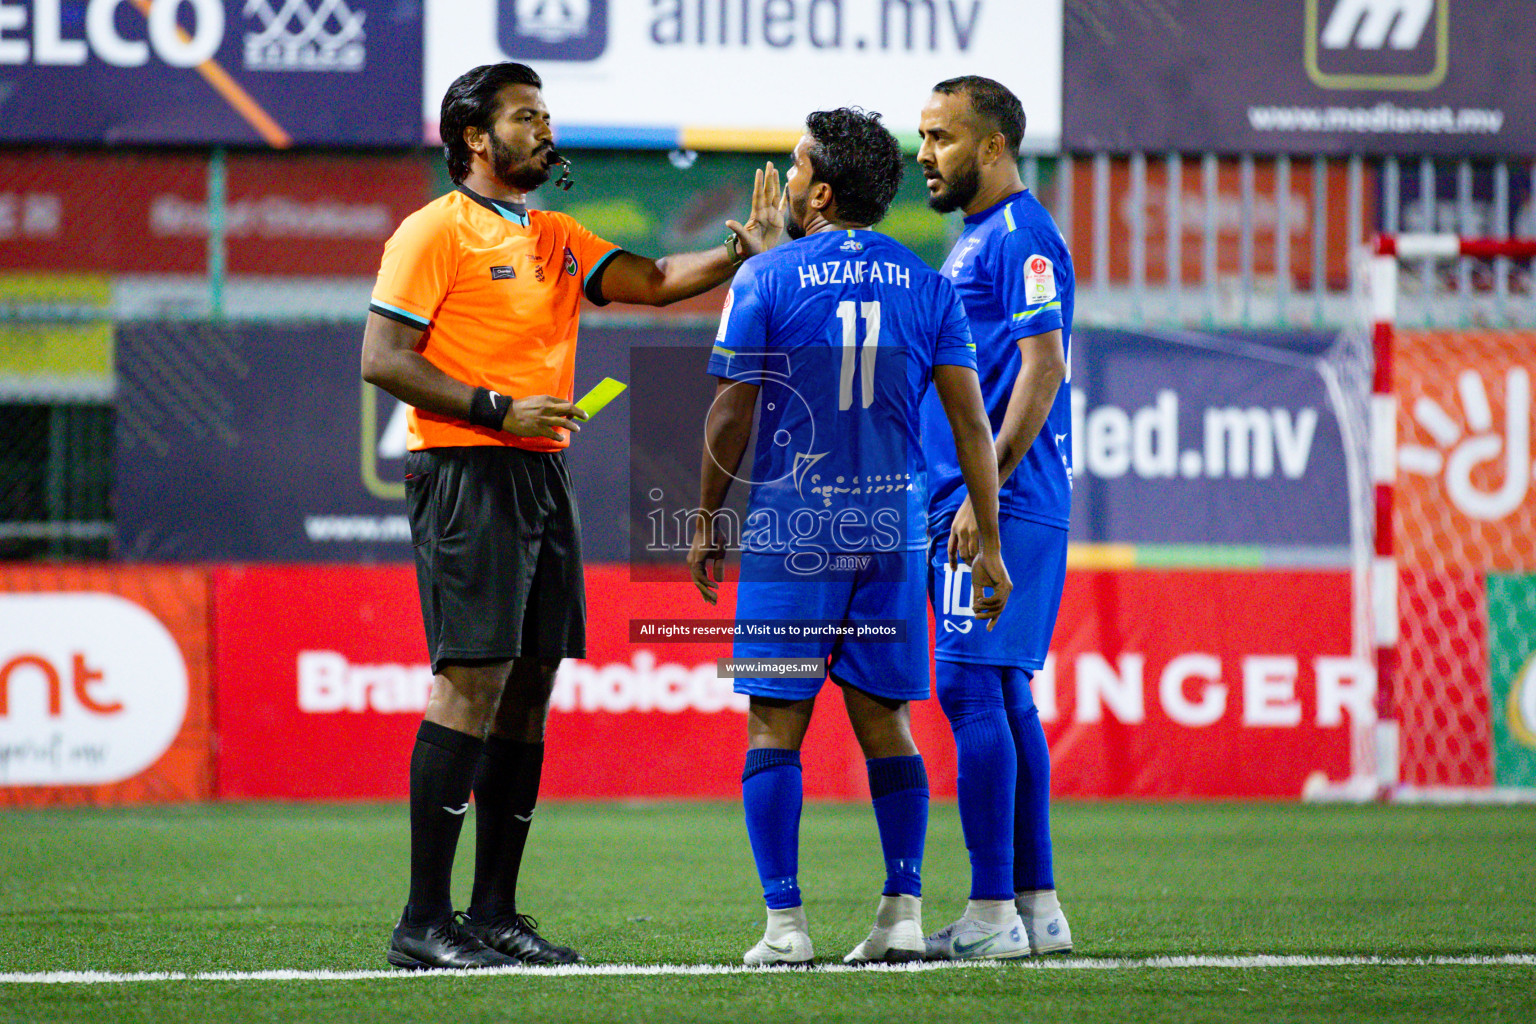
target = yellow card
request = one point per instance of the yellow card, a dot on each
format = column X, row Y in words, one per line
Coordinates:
column 603, row 392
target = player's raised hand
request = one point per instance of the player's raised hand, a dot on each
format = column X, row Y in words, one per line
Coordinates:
column 765, row 226
column 542, row 416
column 706, row 548
column 988, row 570
column 964, row 535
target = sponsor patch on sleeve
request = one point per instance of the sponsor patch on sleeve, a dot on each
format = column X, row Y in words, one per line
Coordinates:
column 1039, row 280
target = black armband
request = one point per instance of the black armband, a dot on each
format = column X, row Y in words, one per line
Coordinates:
column 488, row 409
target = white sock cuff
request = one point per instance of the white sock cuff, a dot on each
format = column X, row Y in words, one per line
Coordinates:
column 992, row 912
column 782, row 922
column 898, row 908
column 1038, row 902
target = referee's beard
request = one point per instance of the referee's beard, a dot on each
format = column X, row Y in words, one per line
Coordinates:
column 522, row 173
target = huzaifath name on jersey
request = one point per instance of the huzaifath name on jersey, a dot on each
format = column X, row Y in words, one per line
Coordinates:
column 840, row 272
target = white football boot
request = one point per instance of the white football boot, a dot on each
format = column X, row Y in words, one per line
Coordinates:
column 897, row 936
column 1044, row 922
column 989, row 930
column 786, row 941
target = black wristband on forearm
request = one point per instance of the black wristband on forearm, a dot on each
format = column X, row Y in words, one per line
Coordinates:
column 487, row 409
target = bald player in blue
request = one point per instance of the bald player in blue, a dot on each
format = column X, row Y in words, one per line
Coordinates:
column 1013, row 273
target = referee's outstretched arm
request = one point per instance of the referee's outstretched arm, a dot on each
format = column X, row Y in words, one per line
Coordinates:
column 648, row 282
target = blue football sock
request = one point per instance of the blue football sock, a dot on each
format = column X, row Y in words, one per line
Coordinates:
column 899, row 788
column 972, row 699
column 1032, row 865
column 771, row 793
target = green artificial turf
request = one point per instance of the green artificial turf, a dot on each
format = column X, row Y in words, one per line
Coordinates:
column 317, row 887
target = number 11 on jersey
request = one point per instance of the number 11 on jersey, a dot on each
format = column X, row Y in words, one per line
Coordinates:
column 848, row 312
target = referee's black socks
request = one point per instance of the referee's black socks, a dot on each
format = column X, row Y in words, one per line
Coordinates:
column 506, row 790
column 442, row 772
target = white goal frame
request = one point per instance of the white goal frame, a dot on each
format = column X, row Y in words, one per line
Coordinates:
column 1376, row 762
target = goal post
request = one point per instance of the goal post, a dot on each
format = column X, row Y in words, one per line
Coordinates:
column 1446, row 590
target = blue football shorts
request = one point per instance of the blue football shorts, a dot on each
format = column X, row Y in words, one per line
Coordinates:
column 1036, row 556
column 886, row 585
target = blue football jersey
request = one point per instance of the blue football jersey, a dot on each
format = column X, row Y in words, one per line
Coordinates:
column 841, row 330
column 1013, row 272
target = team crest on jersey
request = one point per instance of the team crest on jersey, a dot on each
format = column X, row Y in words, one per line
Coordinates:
column 1039, row 280
column 570, row 261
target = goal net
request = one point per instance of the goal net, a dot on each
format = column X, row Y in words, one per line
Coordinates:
column 1436, row 386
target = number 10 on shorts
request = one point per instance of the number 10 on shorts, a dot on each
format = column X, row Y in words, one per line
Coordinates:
column 957, row 593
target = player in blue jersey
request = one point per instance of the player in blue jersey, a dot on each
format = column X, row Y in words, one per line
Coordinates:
column 839, row 333
column 1013, row 273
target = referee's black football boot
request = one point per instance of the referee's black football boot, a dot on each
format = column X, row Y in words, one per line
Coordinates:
column 517, row 937
column 442, row 945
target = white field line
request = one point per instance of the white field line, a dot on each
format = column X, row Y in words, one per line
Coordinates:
column 686, row 970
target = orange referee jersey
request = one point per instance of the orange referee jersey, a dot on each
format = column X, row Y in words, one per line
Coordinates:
column 497, row 288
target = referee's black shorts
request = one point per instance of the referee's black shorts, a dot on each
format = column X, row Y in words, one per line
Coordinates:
column 498, row 553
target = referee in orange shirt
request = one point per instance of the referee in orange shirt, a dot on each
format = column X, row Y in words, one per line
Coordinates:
column 473, row 325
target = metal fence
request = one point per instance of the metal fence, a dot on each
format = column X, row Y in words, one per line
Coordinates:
column 1197, row 239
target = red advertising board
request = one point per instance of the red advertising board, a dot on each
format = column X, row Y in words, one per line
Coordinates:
column 322, row 679
column 285, row 214
column 104, row 689
column 281, row 732
column 1201, row 684
column 1161, row 684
